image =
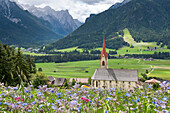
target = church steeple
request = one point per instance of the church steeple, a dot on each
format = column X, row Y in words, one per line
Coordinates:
column 103, row 58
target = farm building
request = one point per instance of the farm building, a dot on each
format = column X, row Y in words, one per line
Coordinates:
column 56, row 81
column 82, row 80
column 105, row 77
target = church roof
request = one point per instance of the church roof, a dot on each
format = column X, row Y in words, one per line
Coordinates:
column 115, row 74
column 104, row 50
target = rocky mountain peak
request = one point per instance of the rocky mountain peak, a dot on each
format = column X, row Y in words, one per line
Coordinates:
column 61, row 21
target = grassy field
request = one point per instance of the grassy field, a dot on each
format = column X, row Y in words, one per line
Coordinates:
column 70, row 49
column 34, row 54
column 128, row 37
column 84, row 69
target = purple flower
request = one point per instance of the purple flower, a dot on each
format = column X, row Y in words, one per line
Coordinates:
column 29, row 110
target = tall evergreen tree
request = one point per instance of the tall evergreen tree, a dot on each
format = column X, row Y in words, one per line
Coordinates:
column 31, row 64
column 5, row 66
column 21, row 67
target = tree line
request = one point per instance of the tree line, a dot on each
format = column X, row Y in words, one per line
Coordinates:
column 156, row 55
column 14, row 66
column 75, row 55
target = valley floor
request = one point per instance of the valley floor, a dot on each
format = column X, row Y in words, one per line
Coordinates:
column 84, row 69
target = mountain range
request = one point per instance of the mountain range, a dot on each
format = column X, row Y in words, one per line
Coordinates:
column 60, row 21
column 22, row 28
column 147, row 20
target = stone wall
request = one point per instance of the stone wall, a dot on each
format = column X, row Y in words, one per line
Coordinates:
column 113, row 84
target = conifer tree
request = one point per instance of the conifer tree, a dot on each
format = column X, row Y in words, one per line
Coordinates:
column 5, row 66
column 21, row 67
column 31, row 64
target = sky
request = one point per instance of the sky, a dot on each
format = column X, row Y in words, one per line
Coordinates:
column 79, row 9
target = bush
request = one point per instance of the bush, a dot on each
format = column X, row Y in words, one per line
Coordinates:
column 156, row 86
column 39, row 79
column 40, row 69
column 66, row 85
column 73, row 82
column 89, row 81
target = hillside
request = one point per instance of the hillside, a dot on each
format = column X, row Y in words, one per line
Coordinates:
column 19, row 27
column 147, row 20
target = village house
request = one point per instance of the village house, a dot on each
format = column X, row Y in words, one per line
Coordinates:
column 56, row 81
column 78, row 80
column 105, row 77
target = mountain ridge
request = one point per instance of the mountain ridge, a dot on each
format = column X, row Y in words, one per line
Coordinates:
column 60, row 21
column 21, row 28
column 147, row 20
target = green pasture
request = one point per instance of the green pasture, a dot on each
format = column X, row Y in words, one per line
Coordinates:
column 139, row 50
column 70, row 49
column 128, row 37
column 34, row 54
column 84, row 69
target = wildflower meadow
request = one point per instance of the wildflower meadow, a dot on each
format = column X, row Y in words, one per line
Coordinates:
column 84, row 100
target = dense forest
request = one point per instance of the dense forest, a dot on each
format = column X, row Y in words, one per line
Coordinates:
column 14, row 66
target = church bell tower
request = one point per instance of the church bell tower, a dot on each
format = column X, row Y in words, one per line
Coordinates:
column 103, row 58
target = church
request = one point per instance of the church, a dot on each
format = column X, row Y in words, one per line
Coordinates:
column 105, row 77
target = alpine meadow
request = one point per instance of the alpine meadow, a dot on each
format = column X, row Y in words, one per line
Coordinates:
column 85, row 56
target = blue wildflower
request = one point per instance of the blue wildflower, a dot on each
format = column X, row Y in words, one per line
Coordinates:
column 39, row 93
column 127, row 94
column 15, row 88
column 79, row 108
column 53, row 107
column 26, row 91
column 108, row 99
column 24, row 104
column 40, row 106
column 149, row 87
column 164, row 82
column 29, row 110
column 107, row 111
column 48, row 104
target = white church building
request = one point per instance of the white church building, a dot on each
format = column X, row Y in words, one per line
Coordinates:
column 105, row 77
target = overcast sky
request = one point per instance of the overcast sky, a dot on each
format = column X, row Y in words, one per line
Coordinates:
column 79, row 9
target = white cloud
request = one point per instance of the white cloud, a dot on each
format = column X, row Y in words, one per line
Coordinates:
column 79, row 9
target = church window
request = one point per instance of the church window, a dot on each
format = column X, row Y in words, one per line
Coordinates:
column 103, row 63
column 96, row 84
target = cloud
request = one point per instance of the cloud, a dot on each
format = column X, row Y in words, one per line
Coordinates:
column 79, row 9
column 91, row 1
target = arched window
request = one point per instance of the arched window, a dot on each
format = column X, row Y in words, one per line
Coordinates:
column 103, row 63
column 96, row 84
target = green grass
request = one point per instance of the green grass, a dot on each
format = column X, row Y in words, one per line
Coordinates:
column 128, row 37
column 139, row 50
column 107, row 50
column 77, row 69
column 70, row 49
column 34, row 54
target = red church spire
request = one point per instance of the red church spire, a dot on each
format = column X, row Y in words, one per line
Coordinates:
column 104, row 50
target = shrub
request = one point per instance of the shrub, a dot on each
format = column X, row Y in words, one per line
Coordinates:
column 39, row 79
column 156, row 86
column 40, row 69
column 89, row 81
column 66, row 85
column 73, row 82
